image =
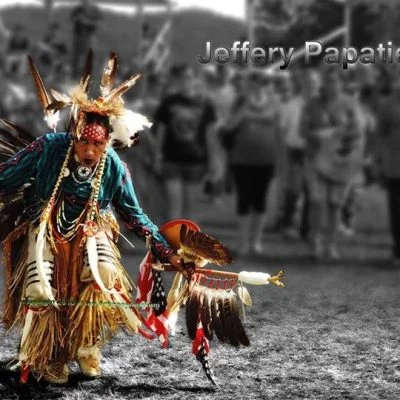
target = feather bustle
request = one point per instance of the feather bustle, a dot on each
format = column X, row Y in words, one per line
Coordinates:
column 16, row 134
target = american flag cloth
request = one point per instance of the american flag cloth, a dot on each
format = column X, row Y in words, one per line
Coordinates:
column 200, row 340
column 145, row 280
column 151, row 292
column 160, row 326
column 201, row 349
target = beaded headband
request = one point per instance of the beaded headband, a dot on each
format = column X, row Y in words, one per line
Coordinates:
column 94, row 132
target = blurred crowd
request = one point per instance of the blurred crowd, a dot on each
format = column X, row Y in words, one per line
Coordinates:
column 317, row 137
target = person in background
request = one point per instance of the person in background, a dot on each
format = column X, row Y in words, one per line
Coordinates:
column 85, row 19
column 185, row 141
column 295, row 159
column 17, row 49
column 256, row 147
column 331, row 125
column 4, row 39
column 222, row 95
column 389, row 160
column 148, row 185
column 18, row 97
column 367, row 117
column 56, row 44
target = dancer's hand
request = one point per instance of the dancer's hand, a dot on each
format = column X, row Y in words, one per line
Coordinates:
column 186, row 269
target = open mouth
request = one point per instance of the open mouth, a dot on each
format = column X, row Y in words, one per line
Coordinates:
column 88, row 161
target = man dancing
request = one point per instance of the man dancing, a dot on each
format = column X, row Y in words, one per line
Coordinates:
column 64, row 279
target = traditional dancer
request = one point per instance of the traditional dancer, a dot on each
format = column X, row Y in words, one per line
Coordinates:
column 60, row 232
column 65, row 285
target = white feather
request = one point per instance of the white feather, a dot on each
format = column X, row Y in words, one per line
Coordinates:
column 25, row 332
column 52, row 120
column 126, row 126
column 172, row 320
column 39, row 248
column 93, row 259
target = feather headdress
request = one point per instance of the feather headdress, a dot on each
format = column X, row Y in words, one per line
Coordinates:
column 124, row 123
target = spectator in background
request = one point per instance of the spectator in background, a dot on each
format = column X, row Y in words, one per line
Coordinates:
column 4, row 38
column 367, row 118
column 291, row 111
column 389, row 160
column 85, row 20
column 140, row 159
column 255, row 148
column 17, row 49
column 56, row 43
column 184, row 138
column 222, row 96
column 331, row 125
column 18, row 97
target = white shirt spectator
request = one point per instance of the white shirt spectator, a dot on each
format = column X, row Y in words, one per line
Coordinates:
column 291, row 113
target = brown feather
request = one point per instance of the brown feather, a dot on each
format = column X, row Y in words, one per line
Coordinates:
column 18, row 133
column 206, row 316
column 8, row 216
column 60, row 96
column 192, row 313
column 204, row 246
column 9, row 198
column 7, row 147
column 87, row 71
column 4, row 156
column 11, row 140
column 56, row 106
column 109, row 74
column 237, row 322
column 229, row 327
column 216, row 303
column 122, row 88
column 44, row 98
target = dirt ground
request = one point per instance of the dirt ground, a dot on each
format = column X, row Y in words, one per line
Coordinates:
column 332, row 333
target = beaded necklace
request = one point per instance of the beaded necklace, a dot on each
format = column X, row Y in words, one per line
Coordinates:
column 90, row 226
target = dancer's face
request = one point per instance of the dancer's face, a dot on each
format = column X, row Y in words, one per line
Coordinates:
column 91, row 145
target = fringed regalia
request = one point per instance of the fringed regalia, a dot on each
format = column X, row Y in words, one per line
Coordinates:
column 65, row 285
column 57, row 333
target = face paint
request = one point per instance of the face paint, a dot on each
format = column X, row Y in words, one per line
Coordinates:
column 94, row 132
column 91, row 144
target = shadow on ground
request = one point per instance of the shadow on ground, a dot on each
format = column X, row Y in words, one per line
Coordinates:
column 11, row 388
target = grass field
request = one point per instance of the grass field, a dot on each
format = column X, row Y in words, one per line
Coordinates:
column 332, row 333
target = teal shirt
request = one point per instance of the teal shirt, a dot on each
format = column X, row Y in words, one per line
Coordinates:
column 40, row 164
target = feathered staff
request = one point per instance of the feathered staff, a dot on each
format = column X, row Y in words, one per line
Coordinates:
column 212, row 297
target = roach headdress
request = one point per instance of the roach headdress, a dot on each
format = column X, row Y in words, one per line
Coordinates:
column 124, row 123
